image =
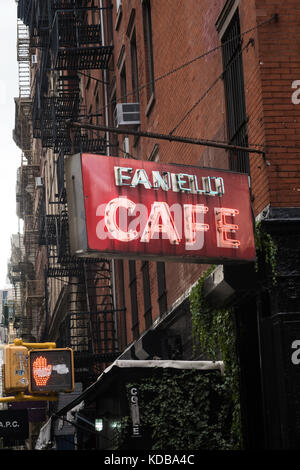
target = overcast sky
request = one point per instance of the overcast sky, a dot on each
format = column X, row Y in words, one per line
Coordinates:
column 10, row 158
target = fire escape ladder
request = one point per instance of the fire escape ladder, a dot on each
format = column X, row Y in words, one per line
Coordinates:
column 41, row 218
column 25, row 187
column 22, row 132
column 40, row 25
column 16, row 274
column 31, row 236
column 82, row 142
column 66, row 43
column 23, row 58
column 24, row 11
column 34, row 300
column 89, row 323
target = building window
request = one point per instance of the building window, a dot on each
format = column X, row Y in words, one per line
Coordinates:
column 113, row 137
column 133, row 299
column 147, row 294
column 134, row 69
column 118, row 5
column 118, row 13
column 235, row 94
column 123, row 84
column 148, row 50
column 154, row 156
column 161, row 284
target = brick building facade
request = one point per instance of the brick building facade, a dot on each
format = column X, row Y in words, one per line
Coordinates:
column 220, row 71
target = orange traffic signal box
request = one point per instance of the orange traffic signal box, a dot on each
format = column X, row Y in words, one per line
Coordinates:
column 15, row 369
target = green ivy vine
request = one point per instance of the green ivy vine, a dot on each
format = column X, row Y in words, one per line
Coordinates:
column 191, row 410
column 213, row 332
column 185, row 410
column 266, row 250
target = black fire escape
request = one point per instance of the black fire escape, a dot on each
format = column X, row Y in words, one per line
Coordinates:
column 67, row 41
column 77, row 45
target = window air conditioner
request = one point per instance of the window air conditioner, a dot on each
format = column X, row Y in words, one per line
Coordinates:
column 34, row 59
column 39, row 183
column 127, row 114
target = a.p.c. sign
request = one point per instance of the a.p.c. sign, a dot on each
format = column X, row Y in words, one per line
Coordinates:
column 140, row 209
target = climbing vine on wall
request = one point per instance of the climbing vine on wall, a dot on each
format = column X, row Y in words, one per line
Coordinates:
column 185, row 410
column 192, row 410
column 266, row 251
column 214, row 334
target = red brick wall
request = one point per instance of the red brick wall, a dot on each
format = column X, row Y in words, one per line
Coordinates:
column 173, row 45
column 279, row 63
column 183, row 31
column 249, row 18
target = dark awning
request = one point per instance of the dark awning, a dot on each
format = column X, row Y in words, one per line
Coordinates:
column 104, row 381
column 118, row 365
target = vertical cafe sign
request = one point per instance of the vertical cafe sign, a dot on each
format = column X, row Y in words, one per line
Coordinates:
column 141, row 209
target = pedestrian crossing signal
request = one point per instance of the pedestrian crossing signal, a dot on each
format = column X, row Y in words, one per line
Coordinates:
column 51, row 370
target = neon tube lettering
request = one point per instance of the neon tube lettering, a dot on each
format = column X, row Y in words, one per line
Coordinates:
column 162, row 182
column 160, row 211
column 224, row 228
column 141, row 177
column 140, row 214
column 219, row 183
column 177, row 182
column 111, row 222
column 101, row 233
column 183, row 179
column 195, row 186
column 120, row 177
column 194, row 227
column 167, row 221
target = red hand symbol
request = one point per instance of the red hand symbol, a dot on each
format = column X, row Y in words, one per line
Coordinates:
column 41, row 371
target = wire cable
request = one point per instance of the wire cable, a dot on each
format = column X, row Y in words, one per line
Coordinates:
column 251, row 41
column 191, row 61
column 93, row 78
column 241, row 35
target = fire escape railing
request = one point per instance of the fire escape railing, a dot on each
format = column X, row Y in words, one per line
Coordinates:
column 22, row 132
column 68, row 43
column 24, row 10
column 76, row 45
column 88, row 326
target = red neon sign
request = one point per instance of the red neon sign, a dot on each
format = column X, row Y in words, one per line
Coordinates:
column 143, row 209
